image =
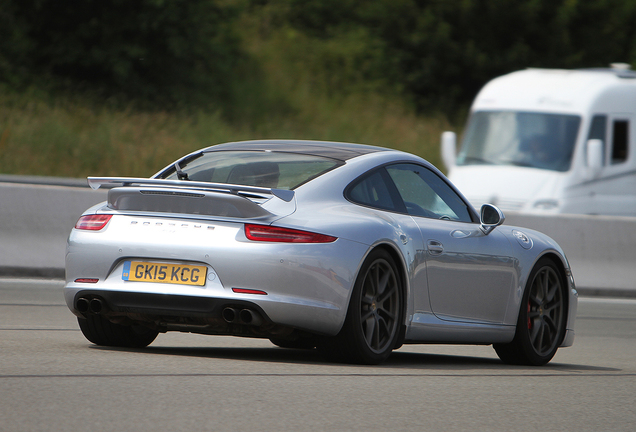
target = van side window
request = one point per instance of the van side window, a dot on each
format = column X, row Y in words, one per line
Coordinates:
column 597, row 130
column 620, row 140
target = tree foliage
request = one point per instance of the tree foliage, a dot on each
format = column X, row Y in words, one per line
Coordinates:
column 442, row 52
column 437, row 53
column 165, row 51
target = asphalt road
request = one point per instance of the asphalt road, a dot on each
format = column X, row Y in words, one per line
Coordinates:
column 52, row 379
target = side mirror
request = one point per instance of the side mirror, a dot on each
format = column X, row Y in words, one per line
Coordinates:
column 594, row 153
column 490, row 217
column 449, row 148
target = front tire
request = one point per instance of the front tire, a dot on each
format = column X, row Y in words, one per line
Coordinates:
column 100, row 331
column 374, row 317
column 542, row 318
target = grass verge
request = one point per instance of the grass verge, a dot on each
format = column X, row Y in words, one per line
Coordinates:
column 74, row 139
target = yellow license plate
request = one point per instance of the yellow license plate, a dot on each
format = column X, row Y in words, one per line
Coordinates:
column 184, row 274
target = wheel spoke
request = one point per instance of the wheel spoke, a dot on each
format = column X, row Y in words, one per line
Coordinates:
column 386, row 314
column 548, row 335
column 370, row 326
column 382, row 282
column 365, row 315
column 549, row 322
column 382, row 326
column 367, row 299
column 552, row 292
column 537, row 341
column 376, row 334
column 375, row 280
column 553, row 307
column 535, row 328
column 534, row 300
column 387, row 294
column 546, row 284
column 536, row 290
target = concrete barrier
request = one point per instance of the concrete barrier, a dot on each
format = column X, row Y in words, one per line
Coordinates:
column 36, row 218
column 35, row 221
column 601, row 249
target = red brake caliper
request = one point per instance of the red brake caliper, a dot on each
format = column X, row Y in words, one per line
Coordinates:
column 529, row 322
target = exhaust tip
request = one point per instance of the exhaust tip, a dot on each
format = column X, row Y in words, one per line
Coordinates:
column 248, row 316
column 229, row 314
column 82, row 305
column 96, row 306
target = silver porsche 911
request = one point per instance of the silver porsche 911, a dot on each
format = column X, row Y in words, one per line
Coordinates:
column 350, row 249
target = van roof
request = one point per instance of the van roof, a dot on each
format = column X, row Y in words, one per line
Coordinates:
column 553, row 90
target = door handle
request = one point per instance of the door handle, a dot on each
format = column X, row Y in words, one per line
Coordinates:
column 434, row 247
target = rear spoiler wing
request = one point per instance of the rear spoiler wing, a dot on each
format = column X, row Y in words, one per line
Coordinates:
column 283, row 194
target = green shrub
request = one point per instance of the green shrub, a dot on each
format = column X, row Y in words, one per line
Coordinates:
column 171, row 53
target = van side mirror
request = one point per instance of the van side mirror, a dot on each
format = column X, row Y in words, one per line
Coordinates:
column 594, row 153
column 449, row 148
column 490, row 217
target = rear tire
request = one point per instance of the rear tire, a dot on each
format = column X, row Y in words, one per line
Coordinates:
column 542, row 318
column 100, row 331
column 374, row 318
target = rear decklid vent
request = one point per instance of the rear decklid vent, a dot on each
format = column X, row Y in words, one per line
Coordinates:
column 166, row 200
column 172, row 193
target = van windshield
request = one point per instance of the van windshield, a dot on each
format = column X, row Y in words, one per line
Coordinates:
column 530, row 139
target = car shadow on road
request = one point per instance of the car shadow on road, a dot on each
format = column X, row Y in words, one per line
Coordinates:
column 459, row 362
column 404, row 361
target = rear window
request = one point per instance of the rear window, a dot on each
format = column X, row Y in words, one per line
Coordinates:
column 254, row 168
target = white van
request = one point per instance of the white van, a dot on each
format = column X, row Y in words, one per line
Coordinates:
column 550, row 141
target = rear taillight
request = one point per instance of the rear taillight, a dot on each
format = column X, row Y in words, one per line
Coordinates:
column 92, row 222
column 87, row 280
column 265, row 233
column 248, row 291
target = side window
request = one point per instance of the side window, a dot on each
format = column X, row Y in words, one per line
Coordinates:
column 620, row 141
column 372, row 191
column 597, row 130
column 425, row 194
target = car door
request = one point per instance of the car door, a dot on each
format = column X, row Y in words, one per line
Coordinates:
column 376, row 190
column 470, row 274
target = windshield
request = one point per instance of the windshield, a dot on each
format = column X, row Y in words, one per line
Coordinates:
column 252, row 168
column 536, row 140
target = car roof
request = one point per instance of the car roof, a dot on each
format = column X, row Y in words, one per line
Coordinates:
column 335, row 150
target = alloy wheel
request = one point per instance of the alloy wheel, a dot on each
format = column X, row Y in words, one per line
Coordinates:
column 545, row 311
column 379, row 306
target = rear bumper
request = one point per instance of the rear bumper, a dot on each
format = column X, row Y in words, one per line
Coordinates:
column 165, row 312
column 206, row 314
column 159, row 306
column 307, row 286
